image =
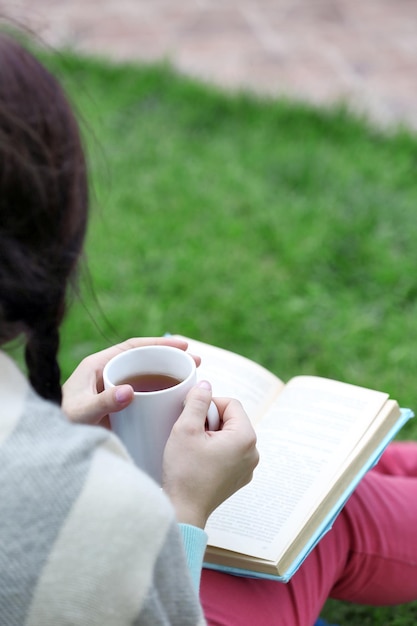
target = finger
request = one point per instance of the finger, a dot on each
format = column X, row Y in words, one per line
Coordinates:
column 99, row 359
column 105, row 422
column 108, row 401
column 119, row 398
column 234, row 416
column 173, row 342
column 196, row 358
column 137, row 342
column 197, row 405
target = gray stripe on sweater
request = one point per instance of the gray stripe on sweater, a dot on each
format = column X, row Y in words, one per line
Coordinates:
column 171, row 597
column 36, row 503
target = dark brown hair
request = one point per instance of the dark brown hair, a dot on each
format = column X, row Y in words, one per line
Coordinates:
column 43, row 209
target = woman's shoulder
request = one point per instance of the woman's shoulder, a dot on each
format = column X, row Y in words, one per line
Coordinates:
column 101, row 467
column 94, row 526
column 73, row 469
column 89, row 534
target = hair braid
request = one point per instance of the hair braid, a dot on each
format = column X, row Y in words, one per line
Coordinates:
column 43, row 210
column 44, row 372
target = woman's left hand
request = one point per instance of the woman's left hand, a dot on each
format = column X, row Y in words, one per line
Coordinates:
column 84, row 399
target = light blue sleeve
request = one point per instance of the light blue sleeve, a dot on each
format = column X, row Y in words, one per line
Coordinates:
column 195, row 543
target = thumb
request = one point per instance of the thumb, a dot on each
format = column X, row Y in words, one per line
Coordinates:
column 197, row 404
column 116, row 399
column 108, row 401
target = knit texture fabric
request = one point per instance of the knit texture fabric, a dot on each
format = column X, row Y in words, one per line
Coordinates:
column 85, row 537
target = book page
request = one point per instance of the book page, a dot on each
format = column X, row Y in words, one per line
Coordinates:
column 305, row 436
column 237, row 377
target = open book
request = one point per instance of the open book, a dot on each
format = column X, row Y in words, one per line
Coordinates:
column 316, row 438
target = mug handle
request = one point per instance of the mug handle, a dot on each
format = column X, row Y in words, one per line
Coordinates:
column 213, row 417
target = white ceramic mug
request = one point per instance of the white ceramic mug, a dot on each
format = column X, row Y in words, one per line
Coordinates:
column 145, row 425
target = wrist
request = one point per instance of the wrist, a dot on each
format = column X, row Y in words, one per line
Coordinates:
column 188, row 513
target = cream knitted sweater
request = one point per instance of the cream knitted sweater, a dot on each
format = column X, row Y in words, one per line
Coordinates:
column 85, row 537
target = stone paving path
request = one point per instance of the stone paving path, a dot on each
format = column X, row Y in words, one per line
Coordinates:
column 361, row 51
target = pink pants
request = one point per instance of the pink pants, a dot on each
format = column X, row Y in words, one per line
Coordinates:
column 369, row 557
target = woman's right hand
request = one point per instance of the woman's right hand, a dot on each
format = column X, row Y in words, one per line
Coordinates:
column 203, row 468
column 84, row 398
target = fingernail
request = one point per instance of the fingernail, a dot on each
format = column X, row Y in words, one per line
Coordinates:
column 123, row 394
column 204, row 384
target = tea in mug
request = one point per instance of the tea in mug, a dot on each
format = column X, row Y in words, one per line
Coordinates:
column 150, row 382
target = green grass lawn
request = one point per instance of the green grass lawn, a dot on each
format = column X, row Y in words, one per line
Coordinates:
column 277, row 230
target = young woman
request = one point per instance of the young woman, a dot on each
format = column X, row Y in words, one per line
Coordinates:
column 85, row 537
